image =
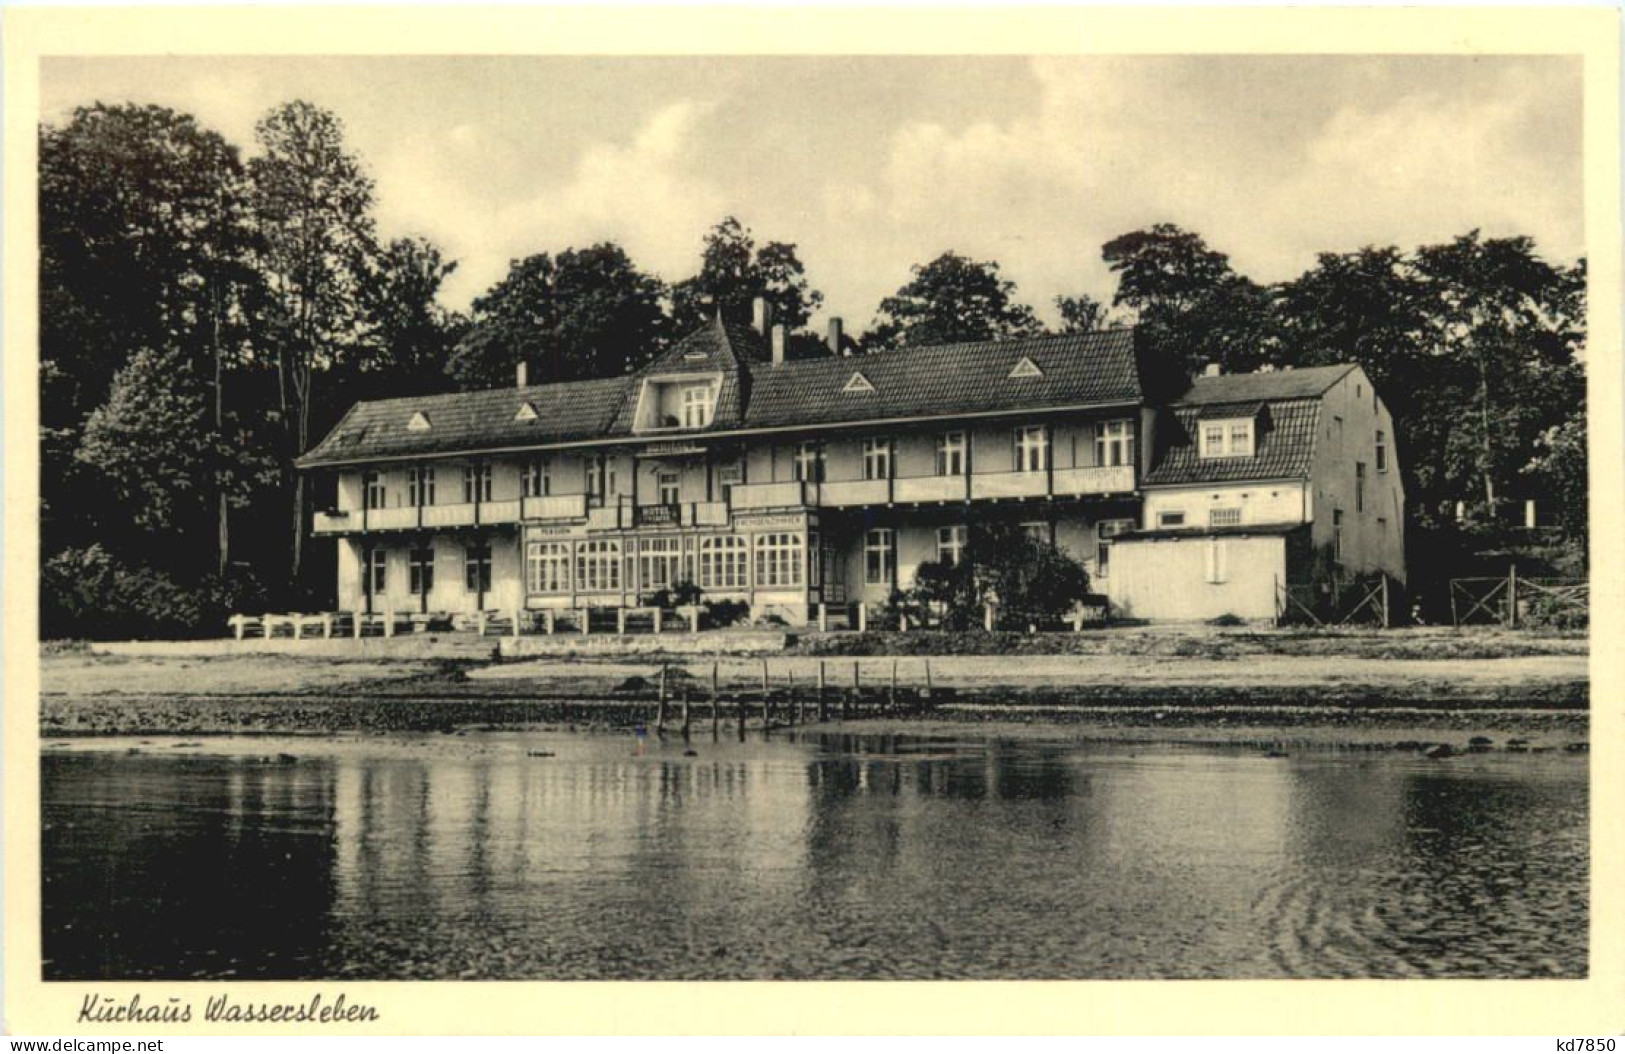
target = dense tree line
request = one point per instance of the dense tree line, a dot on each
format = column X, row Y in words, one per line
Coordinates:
column 205, row 316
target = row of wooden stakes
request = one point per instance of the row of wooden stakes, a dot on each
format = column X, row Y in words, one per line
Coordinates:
column 796, row 705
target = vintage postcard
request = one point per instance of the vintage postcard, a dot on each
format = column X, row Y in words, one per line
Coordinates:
column 603, row 500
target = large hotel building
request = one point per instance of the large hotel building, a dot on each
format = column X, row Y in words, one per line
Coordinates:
column 790, row 484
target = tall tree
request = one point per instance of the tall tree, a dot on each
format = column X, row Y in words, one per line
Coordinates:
column 406, row 335
column 950, row 300
column 583, row 313
column 145, row 242
column 1081, row 313
column 313, row 201
column 734, row 271
column 161, row 459
column 1191, row 307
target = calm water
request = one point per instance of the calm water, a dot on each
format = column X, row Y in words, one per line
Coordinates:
column 811, row 857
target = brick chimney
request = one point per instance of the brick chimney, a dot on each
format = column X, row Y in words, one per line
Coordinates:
column 779, row 340
column 762, row 314
column 522, row 375
column 835, row 337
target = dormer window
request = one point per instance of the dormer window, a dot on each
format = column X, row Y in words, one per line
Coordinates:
column 1227, row 438
column 697, row 405
column 677, row 402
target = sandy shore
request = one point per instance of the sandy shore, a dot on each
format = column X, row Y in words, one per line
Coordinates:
column 1254, row 699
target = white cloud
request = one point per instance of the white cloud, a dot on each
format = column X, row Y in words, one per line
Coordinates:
column 644, row 192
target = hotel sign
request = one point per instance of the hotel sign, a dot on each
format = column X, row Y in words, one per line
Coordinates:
column 771, row 520
column 679, row 448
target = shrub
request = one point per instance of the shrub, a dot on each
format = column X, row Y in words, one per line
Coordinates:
column 721, row 613
column 1227, row 619
column 1033, row 582
column 1549, row 612
column 683, row 594
column 87, row 593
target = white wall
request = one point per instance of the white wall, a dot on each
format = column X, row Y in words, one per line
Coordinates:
column 1167, row 578
column 1350, row 417
column 1258, row 502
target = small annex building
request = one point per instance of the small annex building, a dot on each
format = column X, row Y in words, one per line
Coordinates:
column 1263, row 481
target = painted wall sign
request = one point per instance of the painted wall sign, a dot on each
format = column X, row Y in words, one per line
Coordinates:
column 784, row 520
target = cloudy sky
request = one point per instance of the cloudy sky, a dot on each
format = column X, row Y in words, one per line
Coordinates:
column 871, row 165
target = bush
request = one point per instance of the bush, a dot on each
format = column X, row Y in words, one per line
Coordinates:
column 722, row 613
column 1548, row 612
column 684, row 594
column 1227, row 619
column 1033, row 582
column 87, row 594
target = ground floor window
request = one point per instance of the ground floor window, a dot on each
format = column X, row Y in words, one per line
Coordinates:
column 723, row 563
column 779, row 559
column 950, row 545
column 661, row 562
column 420, row 571
column 547, row 567
column 477, row 568
column 598, row 566
column 1106, row 530
column 374, row 564
column 879, row 556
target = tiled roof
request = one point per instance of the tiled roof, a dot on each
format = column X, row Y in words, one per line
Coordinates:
column 1075, row 370
column 1283, row 447
column 472, row 420
column 1263, row 387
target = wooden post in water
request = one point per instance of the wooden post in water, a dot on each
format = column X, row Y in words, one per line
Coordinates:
column 823, row 707
column 790, row 697
column 685, row 710
column 857, row 690
column 716, row 704
column 660, row 710
column 766, row 712
column 929, row 690
column 892, row 697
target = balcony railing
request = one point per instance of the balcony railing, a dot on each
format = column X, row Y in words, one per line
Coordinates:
column 1009, row 484
column 1102, row 479
column 854, row 492
column 929, row 488
column 788, row 495
column 555, row 507
column 336, row 521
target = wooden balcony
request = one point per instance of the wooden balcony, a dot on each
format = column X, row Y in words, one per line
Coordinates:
column 929, row 488
column 1009, row 485
column 854, row 492
column 336, row 521
column 555, row 507
column 788, row 495
column 1102, row 479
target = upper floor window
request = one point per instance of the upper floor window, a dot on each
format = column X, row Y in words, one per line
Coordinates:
column 1171, row 519
column 877, row 459
column 420, row 485
column 809, row 462
column 372, row 489
column 1114, row 443
column 729, row 477
column 1032, row 448
column 477, row 483
column 670, row 487
column 600, row 470
column 536, row 479
column 1227, row 438
column 951, row 454
column 697, row 404
column 1382, row 451
column 1359, row 486
column 1227, row 516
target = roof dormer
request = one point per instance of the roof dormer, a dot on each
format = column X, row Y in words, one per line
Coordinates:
column 858, row 384
column 419, row 422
